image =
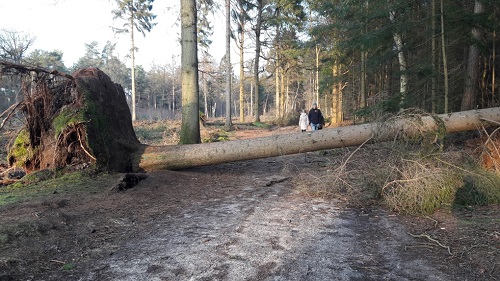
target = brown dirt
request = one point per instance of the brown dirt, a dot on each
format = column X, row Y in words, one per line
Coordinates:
column 239, row 221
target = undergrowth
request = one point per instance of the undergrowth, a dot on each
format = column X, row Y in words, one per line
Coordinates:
column 156, row 133
column 77, row 182
column 404, row 179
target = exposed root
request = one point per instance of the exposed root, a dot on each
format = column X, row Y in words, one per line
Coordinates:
column 128, row 181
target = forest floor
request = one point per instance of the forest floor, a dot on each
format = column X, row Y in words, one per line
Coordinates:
column 246, row 220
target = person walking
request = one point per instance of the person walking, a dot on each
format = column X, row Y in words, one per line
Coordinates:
column 303, row 121
column 315, row 117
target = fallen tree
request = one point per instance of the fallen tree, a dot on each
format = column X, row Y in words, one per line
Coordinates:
column 84, row 119
column 431, row 127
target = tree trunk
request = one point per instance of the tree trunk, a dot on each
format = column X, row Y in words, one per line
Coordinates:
column 362, row 83
column 258, row 26
column 470, row 89
column 403, row 78
column 433, row 58
column 277, row 86
column 228, row 65
column 242, row 60
column 185, row 156
column 445, row 61
column 190, row 128
column 132, row 74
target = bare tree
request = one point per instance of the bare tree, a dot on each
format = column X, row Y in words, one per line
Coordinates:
column 14, row 45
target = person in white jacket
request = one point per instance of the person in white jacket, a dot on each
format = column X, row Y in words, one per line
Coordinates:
column 303, row 121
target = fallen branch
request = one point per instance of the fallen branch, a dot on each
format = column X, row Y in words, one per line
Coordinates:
column 9, row 111
column 8, row 67
column 432, row 240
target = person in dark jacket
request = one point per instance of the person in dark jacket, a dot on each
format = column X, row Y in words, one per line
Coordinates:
column 315, row 117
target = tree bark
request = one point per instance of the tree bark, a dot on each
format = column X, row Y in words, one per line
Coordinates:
column 228, row 65
column 242, row 23
column 470, row 89
column 445, row 61
column 190, row 128
column 258, row 26
column 185, row 156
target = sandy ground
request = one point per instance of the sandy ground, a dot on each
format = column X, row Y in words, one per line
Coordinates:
column 238, row 221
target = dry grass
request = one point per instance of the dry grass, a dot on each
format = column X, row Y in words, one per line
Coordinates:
column 157, row 133
column 401, row 177
column 420, row 186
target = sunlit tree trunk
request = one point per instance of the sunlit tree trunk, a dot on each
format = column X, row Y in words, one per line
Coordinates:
column 132, row 55
column 282, row 92
column 190, row 128
column 258, row 27
column 242, row 22
column 362, row 82
column 316, row 87
column 403, row 78
column 277, row 87
column 205, row 94
column 228, row 65
column 336, row 97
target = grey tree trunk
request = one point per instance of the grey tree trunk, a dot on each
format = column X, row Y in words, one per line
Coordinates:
column 258, row 27
column 190, row 128
column 228, row 65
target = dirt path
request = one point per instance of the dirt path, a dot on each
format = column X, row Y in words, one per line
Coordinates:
column 257, row 229
column 236, row 221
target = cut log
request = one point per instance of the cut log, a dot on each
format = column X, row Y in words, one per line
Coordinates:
column 185, row 156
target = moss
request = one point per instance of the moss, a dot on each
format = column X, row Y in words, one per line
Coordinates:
column 38, row 176
column 20, row 152
column 65, row 118
column 261, row 125
column 76, row 182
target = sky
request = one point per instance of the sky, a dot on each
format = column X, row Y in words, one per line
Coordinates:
column 67, row 25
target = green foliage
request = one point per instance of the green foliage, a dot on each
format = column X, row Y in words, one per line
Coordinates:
column 216, row 136
column 261, row 125
column 68, row 266
column 76, row 182
column 139, row 11
column 52, row 60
